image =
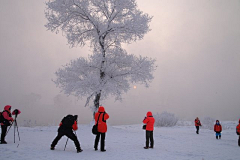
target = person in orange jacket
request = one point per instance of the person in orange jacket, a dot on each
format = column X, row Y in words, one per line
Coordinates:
column 238, row 132
column 149, row 121
column 7, row 118
column 197, row 124
column 66, row 127
column 218, row 129
column 101, row 117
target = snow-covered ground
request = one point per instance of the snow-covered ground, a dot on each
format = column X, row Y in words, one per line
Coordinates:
column 124, row 142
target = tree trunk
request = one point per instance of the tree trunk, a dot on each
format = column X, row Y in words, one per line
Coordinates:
column 96, row 103
column 102, row 75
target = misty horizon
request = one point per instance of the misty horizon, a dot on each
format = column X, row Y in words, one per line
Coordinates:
column 196, row 45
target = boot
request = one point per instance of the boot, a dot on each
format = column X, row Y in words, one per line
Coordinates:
column 145, row 147
column 79, row 150
column 216, row 137
column 3, row 142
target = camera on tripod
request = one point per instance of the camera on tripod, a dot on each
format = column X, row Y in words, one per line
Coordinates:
column 16, row 112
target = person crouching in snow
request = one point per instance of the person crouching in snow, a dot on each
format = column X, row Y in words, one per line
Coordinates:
column 149, row 121
column 197, row 124
column 67, row 125
column 5, row 122
column 218, row 129
column 101, row 116
column 238, row 132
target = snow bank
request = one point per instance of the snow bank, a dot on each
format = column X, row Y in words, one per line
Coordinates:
column 124, row 142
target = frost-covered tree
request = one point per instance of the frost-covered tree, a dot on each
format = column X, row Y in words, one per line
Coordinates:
column 165, row 119
column 106, row 24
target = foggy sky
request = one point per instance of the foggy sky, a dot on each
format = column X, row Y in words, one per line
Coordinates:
column 196, row 45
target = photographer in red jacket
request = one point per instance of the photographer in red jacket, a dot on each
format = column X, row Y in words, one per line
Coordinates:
column 238, row 132
column 149, row 121
column 6, row 119
column 101, row 117
column 197, row 124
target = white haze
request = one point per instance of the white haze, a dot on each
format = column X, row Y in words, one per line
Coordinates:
column 196, row 45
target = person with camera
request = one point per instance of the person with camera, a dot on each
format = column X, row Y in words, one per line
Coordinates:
column 101, row 117
column 197, row 124
column 149, row 121
column 6, row 120
column 238, row 132
column 67, row 125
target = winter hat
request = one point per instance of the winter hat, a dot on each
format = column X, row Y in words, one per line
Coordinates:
column 101, row 109
column 7, row 107
column 149, row 114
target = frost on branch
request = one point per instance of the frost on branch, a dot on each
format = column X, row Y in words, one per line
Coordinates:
column 106, row 24
column 81, row 76
column 111, row 21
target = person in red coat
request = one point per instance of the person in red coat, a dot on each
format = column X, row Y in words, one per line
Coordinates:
column 101, row 117
column 238, row 132
column 149, row 121
column 218, row 129
column 197, row 124
column 7, row 118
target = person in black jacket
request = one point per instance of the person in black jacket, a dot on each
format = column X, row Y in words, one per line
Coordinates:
column 67, row 125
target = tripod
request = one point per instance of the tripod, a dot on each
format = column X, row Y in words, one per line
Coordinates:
column 67, row 140
column 15, row 126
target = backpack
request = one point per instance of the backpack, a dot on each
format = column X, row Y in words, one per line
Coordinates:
column 1, row 117
column 3, row 120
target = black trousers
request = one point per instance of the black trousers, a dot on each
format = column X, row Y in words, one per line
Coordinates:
column 70, row 135
column 149, row 136
column 4, row 131
column 239, row 141
column 197, row 127
column 103, row 135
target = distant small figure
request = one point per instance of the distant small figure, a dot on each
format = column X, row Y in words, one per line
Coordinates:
column 5, row 119
column 67, row 125
column 101, row 116
column 149, row 121
column 238, row 132
column 197, row 124
column 218, row 129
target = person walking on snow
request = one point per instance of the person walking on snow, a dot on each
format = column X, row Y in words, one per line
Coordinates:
column 197, row 124
column 5, row 122
column 238, row 132
column 218, row 129
column 101, row 117
column 149, row 121
column 67, row 125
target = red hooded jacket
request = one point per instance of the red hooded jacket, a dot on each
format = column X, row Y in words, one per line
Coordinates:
column 197, row 122
column 7, row 113
column 217, row 127
column 102, row 125
column 149, row 120
column 238, row 128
